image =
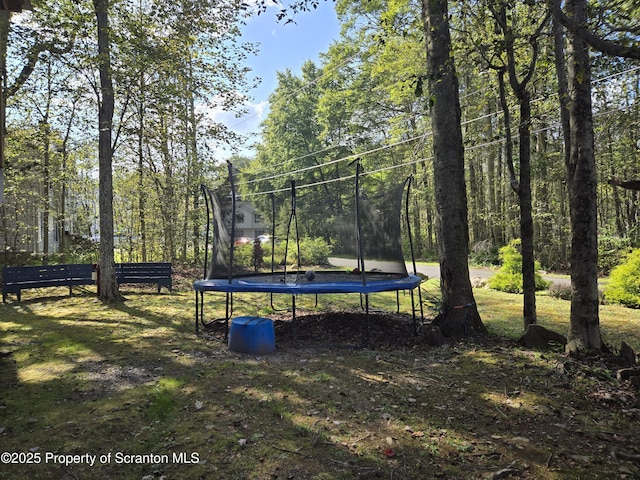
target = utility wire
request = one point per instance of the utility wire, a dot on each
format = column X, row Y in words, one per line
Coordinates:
column 421, row 136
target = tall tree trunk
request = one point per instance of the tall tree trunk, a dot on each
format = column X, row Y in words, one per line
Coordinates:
column 563, row 96
column 523, row 185
column 584, row 330
column 460, row 313
column 108, row 286
column 526, row 216
column 142, row 197
column 193, row 187
column 523, row 188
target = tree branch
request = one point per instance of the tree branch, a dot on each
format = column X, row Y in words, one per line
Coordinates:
column 32, row 60
column 597, row 43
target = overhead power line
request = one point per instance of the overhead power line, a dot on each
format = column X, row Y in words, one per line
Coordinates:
column 377, row 149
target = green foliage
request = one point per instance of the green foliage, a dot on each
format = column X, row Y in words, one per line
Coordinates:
column 162, row 401
column 509, row 277
column 313, row 251
column 612, row 250
column 624, row 282
column 243, row 256
column 484, row 253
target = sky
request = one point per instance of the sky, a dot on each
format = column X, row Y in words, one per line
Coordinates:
column 281, row 46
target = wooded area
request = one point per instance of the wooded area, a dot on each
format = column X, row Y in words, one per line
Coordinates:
column 373, row 96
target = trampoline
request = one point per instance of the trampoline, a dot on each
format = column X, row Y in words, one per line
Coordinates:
column 368, row 228
column 323, row 282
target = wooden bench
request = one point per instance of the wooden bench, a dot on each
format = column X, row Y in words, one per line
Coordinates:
column 16, row 279
column 159, row 273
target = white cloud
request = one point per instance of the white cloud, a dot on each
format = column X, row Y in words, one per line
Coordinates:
column 247, row 123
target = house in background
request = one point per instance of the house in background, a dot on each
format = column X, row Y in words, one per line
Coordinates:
column 30, row 224
column 249, row 223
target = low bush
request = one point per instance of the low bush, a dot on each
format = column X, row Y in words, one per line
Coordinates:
column 313, row 251
column 624, row 282
column 243, row 256
column 509, row 277
column 560, row 290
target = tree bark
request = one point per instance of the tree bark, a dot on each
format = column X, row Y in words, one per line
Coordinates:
column 108, row 286
column 584, row 329
column 142, row 197
column 522, row 186
column 459, row 314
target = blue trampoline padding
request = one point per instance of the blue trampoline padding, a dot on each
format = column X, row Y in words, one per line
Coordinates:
column 269, row 284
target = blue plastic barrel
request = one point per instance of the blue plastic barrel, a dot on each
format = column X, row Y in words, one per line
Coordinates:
column 252, row 335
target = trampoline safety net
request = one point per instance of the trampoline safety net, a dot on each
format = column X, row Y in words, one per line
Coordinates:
column 358, row 218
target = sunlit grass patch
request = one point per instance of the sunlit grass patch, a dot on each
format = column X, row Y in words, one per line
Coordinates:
column 502, row 314
column 136, row 378
column 162, row 398
column 44, row 371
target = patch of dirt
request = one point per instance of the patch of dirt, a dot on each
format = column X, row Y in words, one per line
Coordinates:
column 350, row 329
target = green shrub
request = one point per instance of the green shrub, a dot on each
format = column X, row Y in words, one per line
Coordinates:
column 624, row 282
column 243, row 256
column 509, row 277
column 313, row 251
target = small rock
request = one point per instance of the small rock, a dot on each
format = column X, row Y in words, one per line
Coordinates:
column 537, row 336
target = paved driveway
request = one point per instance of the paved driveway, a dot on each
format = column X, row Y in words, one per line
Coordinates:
column 433, row 271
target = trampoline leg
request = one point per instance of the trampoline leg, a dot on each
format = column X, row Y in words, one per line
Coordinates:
column 197, row 312
column 413, row 313
column 368, row 331
column 227, row 314
column 293, row 310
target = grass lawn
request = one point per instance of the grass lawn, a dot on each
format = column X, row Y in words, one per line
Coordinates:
column 89, row 391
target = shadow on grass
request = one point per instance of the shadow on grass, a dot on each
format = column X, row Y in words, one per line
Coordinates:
column 134, row 379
